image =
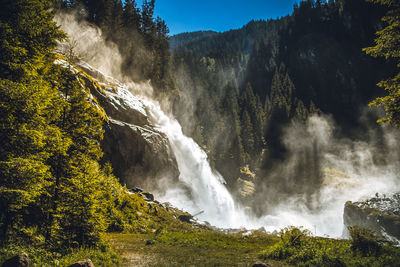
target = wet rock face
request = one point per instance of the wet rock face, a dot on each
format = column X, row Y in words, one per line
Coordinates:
column 137, row 152
column 381, row 214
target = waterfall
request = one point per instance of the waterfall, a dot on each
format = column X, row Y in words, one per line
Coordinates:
column 207, row 190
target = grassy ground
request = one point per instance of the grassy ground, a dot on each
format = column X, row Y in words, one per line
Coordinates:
column 294, row 247
column 191, row 246
column 202, row 248
column 43, row 257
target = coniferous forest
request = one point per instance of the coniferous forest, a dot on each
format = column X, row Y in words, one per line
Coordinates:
column 236, row 93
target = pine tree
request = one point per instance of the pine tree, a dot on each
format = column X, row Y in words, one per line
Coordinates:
column 131, row 15
column 81, row 126
column 247, row 133
column 388, row 46
column 28, row 35
column 148, row 25
column 24, row 135
column 80, row 213
column 252, row 104
column 27, row 108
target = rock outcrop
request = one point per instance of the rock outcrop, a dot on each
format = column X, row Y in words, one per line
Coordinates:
column 135, row 149
column 21, row 260
column 83, row 263
column 381, row 214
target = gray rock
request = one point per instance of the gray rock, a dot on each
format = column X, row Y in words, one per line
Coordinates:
column 378, row 214
column 262, row 229
column 137, row 154
column 136, row 190
column 21, row 260
column 260, row 264
column 83, row 263
column 148, row 196
column 185, row 218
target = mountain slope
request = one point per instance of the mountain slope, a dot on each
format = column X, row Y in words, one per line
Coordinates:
column 250, row 84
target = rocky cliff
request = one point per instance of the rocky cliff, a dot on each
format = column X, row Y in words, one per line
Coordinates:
column 381, row 214
column 135, row 149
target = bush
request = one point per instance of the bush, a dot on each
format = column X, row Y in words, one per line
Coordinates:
column 292, row 239
column 364, row 241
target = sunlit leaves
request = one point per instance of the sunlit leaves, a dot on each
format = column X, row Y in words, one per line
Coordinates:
column 388, row 46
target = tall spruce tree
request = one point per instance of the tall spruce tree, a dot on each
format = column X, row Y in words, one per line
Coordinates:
column 388, row 46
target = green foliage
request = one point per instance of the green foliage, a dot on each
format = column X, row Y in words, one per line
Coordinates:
column 387, row 45
column 28, row 35
column 81, row 218
column 297, row 247
column 364, row 241
column 292, row 239
column 41, row 256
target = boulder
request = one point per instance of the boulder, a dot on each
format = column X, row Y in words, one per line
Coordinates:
column 260, row 264
column 21, row 260
column 136, row 190
column 148, row 196
column 83, row 263
column 380, row 214
column 185, row 218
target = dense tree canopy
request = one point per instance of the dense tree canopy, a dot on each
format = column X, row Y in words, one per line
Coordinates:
column 52, row 185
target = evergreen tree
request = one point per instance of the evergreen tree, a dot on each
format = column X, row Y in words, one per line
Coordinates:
column 25, row 139
column 81, row 126
column 388, row 46
column 148, row 25
column 81, row 211
column 27, row 135
column 247, row 134
column 28, row 35
column 131, row 15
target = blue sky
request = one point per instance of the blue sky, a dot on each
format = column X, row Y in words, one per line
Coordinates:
column 217, row 15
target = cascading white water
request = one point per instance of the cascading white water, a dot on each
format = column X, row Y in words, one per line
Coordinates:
column 207, row 190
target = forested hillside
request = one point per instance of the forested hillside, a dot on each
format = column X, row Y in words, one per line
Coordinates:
column 140, row 37
column 56, row 192
column 245, row 86
column 188, row 37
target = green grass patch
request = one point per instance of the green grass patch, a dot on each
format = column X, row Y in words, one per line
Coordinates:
column 196, row 248
column 41, row 256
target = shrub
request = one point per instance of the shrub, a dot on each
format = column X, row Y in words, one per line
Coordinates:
column 364, row 241
column 291, row 241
